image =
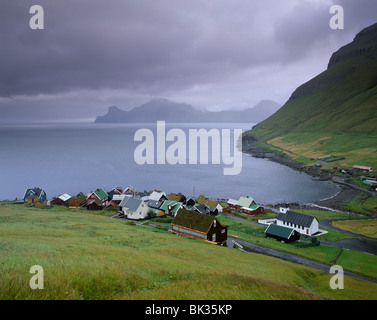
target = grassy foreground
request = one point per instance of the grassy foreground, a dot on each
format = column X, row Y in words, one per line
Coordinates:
column 87, row 256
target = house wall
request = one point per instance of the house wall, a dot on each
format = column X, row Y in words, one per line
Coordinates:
column 220, row 232
column 189, row 232
column 314, row 227
column 303, row 230
column 253, row 212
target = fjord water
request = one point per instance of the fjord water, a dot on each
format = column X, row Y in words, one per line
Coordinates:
column 73, row 158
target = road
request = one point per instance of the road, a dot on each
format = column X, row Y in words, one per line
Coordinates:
column 341, row 180
column 256, row 248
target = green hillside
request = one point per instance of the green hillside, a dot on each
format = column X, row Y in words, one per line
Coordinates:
column 334, row 113
column 86, row 256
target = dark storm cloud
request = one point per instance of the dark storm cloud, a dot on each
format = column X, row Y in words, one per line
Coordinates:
column 132, row 44
column 179, row 47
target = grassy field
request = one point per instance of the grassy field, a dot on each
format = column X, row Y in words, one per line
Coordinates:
column 87, row 256
column 365, row 227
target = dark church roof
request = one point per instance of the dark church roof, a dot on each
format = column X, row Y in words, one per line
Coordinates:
column 300, row 219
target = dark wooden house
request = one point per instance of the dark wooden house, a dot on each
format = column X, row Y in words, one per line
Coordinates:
column 199, row 226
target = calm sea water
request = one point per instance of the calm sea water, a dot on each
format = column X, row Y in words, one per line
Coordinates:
column 82, row 157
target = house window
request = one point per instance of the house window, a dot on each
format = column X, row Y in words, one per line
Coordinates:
column 214, row 223
column 223, row 231
column 214, row 237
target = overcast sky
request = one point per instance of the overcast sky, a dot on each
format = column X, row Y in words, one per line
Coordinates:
column 213, row 54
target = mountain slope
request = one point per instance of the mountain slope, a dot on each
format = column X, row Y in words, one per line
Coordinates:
column 169, row 111
column 334, row 113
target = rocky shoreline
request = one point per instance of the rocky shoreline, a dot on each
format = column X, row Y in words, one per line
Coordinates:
column 250, row 146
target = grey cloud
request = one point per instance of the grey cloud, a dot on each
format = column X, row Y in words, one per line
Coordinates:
column 154, row 47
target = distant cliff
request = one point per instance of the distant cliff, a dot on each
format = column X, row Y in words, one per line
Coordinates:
column 169, row 111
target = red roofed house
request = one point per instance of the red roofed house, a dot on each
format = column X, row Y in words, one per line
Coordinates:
column 362, row 168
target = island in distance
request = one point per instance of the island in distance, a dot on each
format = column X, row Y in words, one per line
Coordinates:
column 169, row 111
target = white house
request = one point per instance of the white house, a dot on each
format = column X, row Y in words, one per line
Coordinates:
column 157, row 196
column 134, row 208
column 302, row 223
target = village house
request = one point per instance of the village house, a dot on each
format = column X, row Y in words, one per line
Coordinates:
column 77, row 201
column 96, row 200
column 143, row 195
column 115, row 191
column 179, row 197
column 244, row 202
column 280, row 233
column 154, row 204
column 362, row 168
column 210, row 203
column 203, row 208
column 158, row 196
column 117, row 198
column 232, row 203
column 252, row 210
column 190, row 202
column 134, row 208
column 196, row 225
column 61, row 200
column 302, row 223
column 171, row 207
column 36, row 196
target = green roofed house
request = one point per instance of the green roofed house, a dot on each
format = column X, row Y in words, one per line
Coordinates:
column 171, row 207
column 282, row 234
column 201, row 226
column 252, row 210
column 96, row 200
column 245, row 202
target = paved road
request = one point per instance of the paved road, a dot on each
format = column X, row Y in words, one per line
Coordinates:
column 256, row 248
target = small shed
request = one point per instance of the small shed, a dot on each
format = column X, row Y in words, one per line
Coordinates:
column 282, row 234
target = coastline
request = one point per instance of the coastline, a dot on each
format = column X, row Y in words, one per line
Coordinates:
column 249, row 146
column 336, row 202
